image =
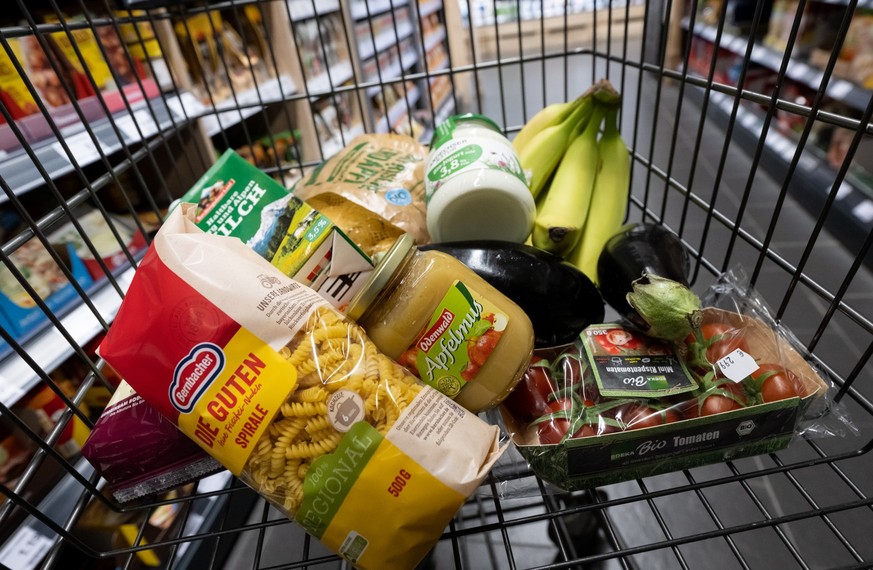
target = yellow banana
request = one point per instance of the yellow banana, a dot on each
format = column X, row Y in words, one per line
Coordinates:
column 541, row 154
column 551, row 115
column 562, row 213
column 609, row 198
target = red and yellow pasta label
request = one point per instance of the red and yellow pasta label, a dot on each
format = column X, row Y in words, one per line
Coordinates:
column 228, row 396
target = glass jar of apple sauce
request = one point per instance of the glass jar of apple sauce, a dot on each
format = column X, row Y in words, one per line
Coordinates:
column 435, row 316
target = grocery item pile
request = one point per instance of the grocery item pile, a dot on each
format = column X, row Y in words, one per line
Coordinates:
column 335, row 344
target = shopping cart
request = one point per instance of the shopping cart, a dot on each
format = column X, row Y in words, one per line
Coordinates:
column 747, row 140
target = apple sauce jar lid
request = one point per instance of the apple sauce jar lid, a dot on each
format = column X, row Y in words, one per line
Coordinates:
column 381, row 275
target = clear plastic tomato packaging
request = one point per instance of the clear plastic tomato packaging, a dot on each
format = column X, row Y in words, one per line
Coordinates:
column 618, row 405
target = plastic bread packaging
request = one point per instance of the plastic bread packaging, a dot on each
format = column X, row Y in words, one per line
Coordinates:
column 384, row 173
column 617, row 405
column 140, row 452
column 294, row 399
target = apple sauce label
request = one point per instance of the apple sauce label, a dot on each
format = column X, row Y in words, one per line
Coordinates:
column 457, row 341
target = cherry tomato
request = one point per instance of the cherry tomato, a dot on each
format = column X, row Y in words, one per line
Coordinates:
column 641, row 416
column 553, row 429
column 589, row 430
column 720, row 340
column 714, row 402
column 572, row 370
column 530, row 398
column 778, row 383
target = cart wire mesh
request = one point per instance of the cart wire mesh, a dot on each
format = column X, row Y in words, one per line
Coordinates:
column 726, row 134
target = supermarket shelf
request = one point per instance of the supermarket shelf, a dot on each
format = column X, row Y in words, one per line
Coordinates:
column 335, row 144
column 335, row 76
column 305, row 9
column 851, row 214
column 267, row 92
column 203, row 515
column 443, row 112
column 445, row 109
column 428, row 8
column 394, row 71
column 484, row 19
column 433, row 39
column 49, row 348
column 442, row 66
column 398, row 110
column 862, row 4
column 27, row 546
column 797, row 70
column 376, row 7
column 384, row 40
column 20, row 173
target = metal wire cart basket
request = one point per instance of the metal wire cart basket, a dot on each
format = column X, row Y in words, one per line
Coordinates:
column 750, row 137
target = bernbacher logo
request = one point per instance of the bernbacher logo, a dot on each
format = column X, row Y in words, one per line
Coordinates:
column 193, row 375
column 433, row 334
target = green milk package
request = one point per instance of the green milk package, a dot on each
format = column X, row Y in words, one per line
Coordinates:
column 237, row 199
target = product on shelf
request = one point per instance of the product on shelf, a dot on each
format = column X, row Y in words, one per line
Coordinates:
column 437, row 58
column 81, row 51
column 383, row 31
column 288, row 394
column 445, row 324
column 237, row 199
column 440, row 91
column 35, row 63
column 430, row 24
column 15, row 453
column 817, row 30
column 321, row 45
column 266, row 152
column 253, row 33
column 383, row 173
column 409, row 126
column 102, row 239
column 19, row 313
column 217, row 58
column 139, row 452
column 143, row 46
column 42, row 408
column 335, row 119
column 857, row 49
column 392, row 104
column 106, row 529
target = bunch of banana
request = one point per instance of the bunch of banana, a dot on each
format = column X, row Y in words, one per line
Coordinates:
column 580, row 183
column 609, row 198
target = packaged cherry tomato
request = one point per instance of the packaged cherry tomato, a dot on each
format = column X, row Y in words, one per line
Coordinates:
column 618, row 405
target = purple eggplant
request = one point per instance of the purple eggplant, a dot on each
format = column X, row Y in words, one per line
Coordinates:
column 639, row 249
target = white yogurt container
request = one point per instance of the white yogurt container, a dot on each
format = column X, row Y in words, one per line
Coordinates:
column 475, row 186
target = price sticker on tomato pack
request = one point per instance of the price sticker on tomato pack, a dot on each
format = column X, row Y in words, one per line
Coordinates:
column 737, row 365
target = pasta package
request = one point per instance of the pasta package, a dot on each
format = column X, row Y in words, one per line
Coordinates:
column 383, row 173
column 294, row 399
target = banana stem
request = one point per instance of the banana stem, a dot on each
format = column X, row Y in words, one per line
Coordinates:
column 611, row 122
column 580, row 118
